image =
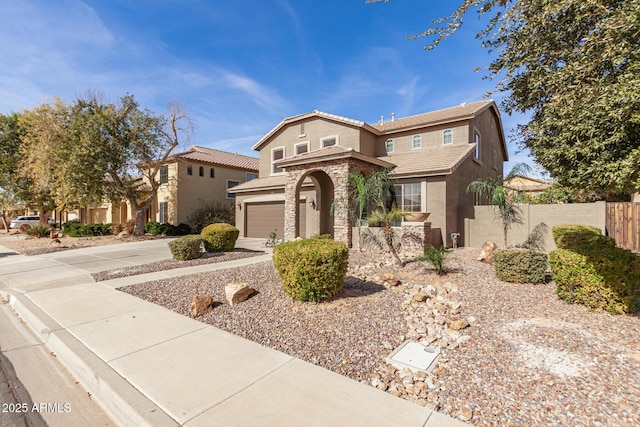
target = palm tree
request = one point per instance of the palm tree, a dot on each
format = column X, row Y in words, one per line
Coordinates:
column 504, row 201
column 363, row 190
column 387, row 217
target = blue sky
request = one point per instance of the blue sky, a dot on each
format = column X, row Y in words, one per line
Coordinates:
column 239, row 67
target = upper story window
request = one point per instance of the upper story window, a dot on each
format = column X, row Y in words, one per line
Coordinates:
column 302, row 133
column 276, row 154
column 164, row 174
column 417, row 142
column 248, row 176
column 302, row 147
column 212, row 173
column 447, row 137
column 329, row 141
column 189, row 170
column 476, row 140
column 201, row 171
column 389, row 145
column 231, row 184
column 495, row 159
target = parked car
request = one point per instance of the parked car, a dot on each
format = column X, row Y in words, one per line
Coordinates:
column 31, row 220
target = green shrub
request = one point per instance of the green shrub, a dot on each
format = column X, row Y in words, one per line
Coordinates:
column 75, row 228
column 311, row 269
column 211, row 212
column 571, row 236
column 435, row 257
column 186, row 247
column 152, row 227
column 597, row 274
column 520, row 265
column 219, row 237
column 38, row 231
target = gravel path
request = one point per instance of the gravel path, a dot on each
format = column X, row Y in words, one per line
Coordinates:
column 527, row 358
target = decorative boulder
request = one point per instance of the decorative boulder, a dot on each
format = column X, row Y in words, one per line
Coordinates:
column 237, row 292
column 201, row 304
column 488, row 251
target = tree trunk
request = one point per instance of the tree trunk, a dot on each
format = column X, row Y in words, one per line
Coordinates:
column 138, row 228
column 4, row 224
column 388, row 235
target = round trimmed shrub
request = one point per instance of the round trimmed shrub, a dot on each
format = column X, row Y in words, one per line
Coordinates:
column 521, row 265
column 186, row 247
column 311, row 269
column 219, row 237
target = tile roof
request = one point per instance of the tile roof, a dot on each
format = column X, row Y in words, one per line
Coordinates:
column 277, row 181
column 443, row 160
column 447, row 115
column 218, row 157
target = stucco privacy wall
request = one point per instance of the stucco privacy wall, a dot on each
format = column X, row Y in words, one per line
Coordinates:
column 484, row 226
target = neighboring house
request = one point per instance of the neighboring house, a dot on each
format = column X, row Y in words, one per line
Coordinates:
column 527, row 185
column 305, row 161
column 188, row 177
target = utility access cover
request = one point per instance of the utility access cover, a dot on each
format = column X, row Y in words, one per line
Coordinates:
column 414, row 356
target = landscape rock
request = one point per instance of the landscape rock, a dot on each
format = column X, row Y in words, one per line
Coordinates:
column 201, row 304
column 456, row 323
column 237, row 292
column 488, row 251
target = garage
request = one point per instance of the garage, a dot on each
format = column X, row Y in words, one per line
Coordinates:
column 263, row 218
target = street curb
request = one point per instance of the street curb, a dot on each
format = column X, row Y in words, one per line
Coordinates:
column 121, row 400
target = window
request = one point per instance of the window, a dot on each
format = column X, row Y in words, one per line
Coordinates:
column 163, row 210
column 276, row 154
column 201, row 171
column 495, row 159
column 250, row 175
column 302, row 134
column 476, row 140
column 447, row 137
column 417, row 142
column 329, row 141
column 212, row 173
column 389, row 145
column 189, row 170
column 408, row 197
column 164, row 174
column 231, row 184
column 302, row 147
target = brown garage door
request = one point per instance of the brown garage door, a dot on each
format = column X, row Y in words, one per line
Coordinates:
column 263, row 218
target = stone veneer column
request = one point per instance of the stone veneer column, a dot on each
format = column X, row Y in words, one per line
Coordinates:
column 339, row 174
column 290, row 205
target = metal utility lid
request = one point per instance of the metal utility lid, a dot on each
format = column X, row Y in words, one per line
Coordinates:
column 414, row 356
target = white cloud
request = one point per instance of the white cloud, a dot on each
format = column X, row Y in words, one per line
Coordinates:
column 259, row 94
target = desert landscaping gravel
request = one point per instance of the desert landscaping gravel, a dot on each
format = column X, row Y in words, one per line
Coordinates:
column 512, row 354
column 170, row 264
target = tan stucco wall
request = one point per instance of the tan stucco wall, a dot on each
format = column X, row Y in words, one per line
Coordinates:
column 315, row 130
column 431, row 139
column 484, row 226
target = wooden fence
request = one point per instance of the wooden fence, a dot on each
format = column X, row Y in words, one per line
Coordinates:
column 623, row 224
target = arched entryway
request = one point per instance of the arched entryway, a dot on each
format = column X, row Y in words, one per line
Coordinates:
column 319, row 201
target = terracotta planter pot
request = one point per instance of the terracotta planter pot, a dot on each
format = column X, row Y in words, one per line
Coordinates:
column 417, row 216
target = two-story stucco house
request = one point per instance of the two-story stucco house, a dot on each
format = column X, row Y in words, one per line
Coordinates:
column 305, row 161
column 199, row 173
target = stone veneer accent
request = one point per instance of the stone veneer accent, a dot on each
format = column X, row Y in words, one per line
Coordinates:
column 338, row 171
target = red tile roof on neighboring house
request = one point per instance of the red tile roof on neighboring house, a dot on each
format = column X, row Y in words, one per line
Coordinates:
column 443, row 160
column 218, row 157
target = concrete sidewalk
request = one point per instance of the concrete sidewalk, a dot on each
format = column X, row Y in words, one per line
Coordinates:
column 151, row 366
